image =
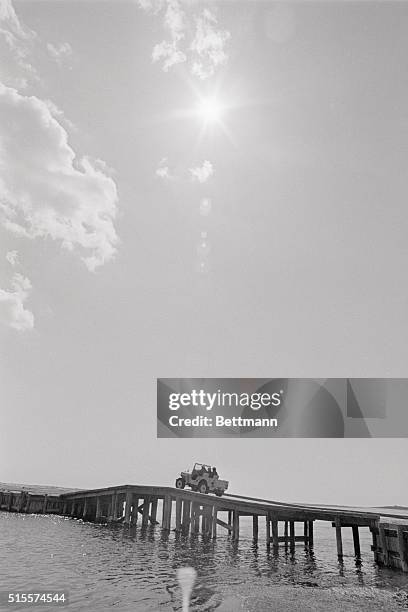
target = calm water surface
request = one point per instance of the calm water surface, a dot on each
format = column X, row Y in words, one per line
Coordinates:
column 116, row 568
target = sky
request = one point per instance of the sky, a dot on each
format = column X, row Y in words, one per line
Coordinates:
column 198, row 189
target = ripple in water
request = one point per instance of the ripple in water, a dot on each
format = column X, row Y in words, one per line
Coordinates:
column 135, row 569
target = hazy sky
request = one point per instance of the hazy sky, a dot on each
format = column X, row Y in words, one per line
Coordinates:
column 143, row 238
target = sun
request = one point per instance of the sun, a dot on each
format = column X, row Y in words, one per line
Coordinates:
column 210, row 110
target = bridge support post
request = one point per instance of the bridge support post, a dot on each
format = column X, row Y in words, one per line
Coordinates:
column 292, row 531
column 286, row 533
column 402, row 547
column 145, row 513
column 85, row 509
column 230, row 521
column 235, row 525
column 268, row 530
column 135, row 504
column 356, row 541
column 166, row 518
column 128, row 507
column 153, row 511
column 275, row 534
column 185, row 526
column 384, row 545
column 338, row 538
column 255, row 527
column 44, row 507
column 214, row 523
column 97, row 512
column 306, row 532
column 310, row 534
column 195, row 518
column 179, row 504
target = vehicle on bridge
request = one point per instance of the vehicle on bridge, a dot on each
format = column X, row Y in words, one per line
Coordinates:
column 203, row 479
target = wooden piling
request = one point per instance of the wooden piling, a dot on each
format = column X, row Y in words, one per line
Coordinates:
column 286, row 533
column 153, row 511
column 235, row 525
column 268, row 530
column 306, row 532
column 310, row 534
column 402, row 544
column 275, row 534
column 214, row 523
column 44, row 507
column 338, row 538
column 292, row 531
column 85, row 509
column 179, row 506
column 255, row 527
column 98, row 511
column 356, row 541
column 128, row 507
column 166, row 518
column 145, row 513
column 185, row 525
column 135, row 505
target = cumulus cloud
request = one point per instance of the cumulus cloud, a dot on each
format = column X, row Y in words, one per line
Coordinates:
column 12, row 310
column 12, row 257
column 168, row 50
column 46, row 190
column 163, row 170
column 208, row 45
column 193, row 37
column 60, row 51
column 16, row 46
column 202, row 173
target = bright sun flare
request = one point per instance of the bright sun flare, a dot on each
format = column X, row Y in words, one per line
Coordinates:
column 210, row 110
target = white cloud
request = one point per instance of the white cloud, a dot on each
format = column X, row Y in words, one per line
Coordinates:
column 16, row 46
column 60, row 51
column 174, row 22
column 12, row 257
column 208, row 46
column 202, row 173
column 45, row 189
column 12, row 311
column 163, row 170
column 205, row 51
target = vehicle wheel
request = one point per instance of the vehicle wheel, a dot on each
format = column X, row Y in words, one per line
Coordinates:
column 180, row 484
column 219, row 493
column 202, row 487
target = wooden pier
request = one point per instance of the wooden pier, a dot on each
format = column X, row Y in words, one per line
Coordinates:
column 188, row 513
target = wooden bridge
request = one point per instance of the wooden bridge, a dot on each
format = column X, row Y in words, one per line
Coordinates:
column 189, row 513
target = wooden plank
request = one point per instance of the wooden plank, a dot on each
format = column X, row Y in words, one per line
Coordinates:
column 402, row 548
column 384, row 547
column 225, row 525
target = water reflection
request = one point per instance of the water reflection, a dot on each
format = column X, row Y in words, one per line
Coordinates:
column 135, row 568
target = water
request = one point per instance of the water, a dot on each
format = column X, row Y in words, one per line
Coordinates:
column 121, row 569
